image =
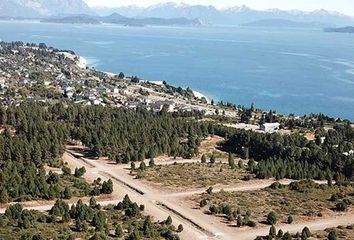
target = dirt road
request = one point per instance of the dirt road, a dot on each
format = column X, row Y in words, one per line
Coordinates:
column 161, row 204
column 197, row 224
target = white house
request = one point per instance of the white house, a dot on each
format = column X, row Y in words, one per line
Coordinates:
column 116, row 90
column 158, row 105
column 270, row 127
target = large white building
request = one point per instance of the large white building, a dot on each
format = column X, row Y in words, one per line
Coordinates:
column 270, row 127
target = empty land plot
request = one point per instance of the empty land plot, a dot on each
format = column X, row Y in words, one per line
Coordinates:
column 302, row 200
column 210, row 146
column 191, row 175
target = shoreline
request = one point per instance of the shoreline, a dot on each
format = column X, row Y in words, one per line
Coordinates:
column 83, row 64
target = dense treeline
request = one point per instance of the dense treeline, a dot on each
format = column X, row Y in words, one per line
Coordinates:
column 293, row 156
column 126, row 135
column 85, row 221
column 34, row 135
column 313, row 121
column 32, row 138
column 29, row 140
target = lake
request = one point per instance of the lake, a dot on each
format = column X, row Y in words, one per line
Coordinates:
column 290, row 70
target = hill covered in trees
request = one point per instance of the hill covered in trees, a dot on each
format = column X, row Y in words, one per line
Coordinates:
column 293, row 156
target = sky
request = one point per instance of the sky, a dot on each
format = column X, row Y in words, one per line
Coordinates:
column 343, row 6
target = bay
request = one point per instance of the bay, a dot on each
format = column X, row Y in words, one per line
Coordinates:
column 289, row 70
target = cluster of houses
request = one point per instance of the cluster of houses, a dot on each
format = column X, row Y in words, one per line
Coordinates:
column 31, row 67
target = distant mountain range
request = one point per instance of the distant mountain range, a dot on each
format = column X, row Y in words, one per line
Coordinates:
column 78, row 11
column 42, row 8
column 116, row 18
column 228, row 16
column 348, row 29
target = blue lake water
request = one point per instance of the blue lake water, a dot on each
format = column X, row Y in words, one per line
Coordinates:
column 290, row 70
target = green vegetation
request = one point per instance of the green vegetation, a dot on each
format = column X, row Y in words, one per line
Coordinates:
column 35, row 135
column 124, row 221
column 295, row 157
column 341, row 232
column 126, row 136
column 278, row 203
column 304, row 235
column 194, row 175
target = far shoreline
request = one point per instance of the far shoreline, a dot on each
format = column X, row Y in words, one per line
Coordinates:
column 83, row 63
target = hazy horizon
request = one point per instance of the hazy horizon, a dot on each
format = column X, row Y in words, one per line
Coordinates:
column 341, row 6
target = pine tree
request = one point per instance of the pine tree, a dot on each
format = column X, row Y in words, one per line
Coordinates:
column 151, row 162
column 132, row 166
column 142, row 166
column 107, row 187
column 99, row 220
column 305, row 234
column 93, row 202
column 272, row 232
column 67, row 193
column 231, row 161
column 290, row 219
column 203, row 159
column 4, row 196
column 332, row 235
column 272, row 218
column 168, row 221
column 287, row 236
column 180, row 228
column 148, row 227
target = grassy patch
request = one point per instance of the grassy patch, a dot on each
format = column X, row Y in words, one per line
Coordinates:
column 301, row 200
column 192, row 175
column 342, row 232
column 78, row 186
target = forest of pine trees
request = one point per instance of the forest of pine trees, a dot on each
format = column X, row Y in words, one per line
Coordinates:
column 34, row 135
column 125, row 135
column 295, row 157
